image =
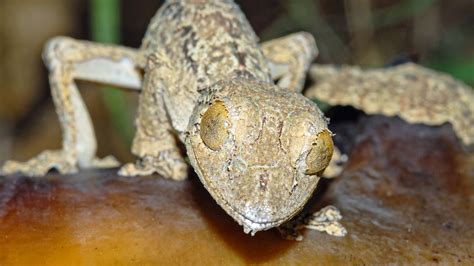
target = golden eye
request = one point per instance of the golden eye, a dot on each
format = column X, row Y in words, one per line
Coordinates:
column 214, row 125
column 320, row 155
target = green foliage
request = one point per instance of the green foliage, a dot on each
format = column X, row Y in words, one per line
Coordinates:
column 447, row 55
column 105, row 20
column 400, row 12
column 459, row 68
column 323, row 106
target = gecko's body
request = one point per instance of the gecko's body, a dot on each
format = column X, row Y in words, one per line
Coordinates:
column 258, row 147
column 206, row 53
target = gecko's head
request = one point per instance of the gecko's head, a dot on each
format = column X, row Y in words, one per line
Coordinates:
column 258, row 150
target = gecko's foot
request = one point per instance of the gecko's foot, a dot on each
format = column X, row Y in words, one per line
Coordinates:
column 325, row 220
column 106, row 162
column 168, row 165
column 40, row 165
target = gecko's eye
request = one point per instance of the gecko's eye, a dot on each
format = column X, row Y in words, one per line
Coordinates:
column 320, row 154
column 215, row 124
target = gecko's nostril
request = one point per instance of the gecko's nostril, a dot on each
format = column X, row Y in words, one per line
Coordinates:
column 263, row 179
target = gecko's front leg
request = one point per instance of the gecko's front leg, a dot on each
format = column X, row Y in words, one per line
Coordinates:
column 289, row 58
column 155, row 141
column 68, row 59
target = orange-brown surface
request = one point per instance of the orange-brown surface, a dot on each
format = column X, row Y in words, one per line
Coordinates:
column 406, row 196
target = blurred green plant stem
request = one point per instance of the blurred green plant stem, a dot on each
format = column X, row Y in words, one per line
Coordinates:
column 105, row 28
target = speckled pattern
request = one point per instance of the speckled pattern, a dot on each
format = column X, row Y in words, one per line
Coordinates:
column 414, row 93
column 259, row 174
column 263, row 162
column 196, row 54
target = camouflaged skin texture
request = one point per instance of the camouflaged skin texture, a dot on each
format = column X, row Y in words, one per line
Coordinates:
column 203, row 54
column 416, row 94
column 198, row 54
column 258, row 174
column 203, row 41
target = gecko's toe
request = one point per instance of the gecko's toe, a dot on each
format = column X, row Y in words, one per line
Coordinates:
column 175, row 172
column 36, row 170
column 131, row 169
column 40, row 165
column 10, row 167
column 106, row 162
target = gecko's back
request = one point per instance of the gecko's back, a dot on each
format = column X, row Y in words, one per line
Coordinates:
column 207, row 41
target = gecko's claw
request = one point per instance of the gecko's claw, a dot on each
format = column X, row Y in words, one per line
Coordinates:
column 135, row 169
column 40, row 165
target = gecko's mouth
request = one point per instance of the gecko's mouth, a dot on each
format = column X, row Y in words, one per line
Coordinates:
column 250, row 224
column 251, row 227
column 250, row 218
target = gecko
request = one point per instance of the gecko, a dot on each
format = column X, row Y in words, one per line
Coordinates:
column 257, row 144
column 205, row 81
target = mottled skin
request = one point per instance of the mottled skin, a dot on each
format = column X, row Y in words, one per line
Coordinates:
column 260, row 179
column 415, row 93
column 257, row 147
